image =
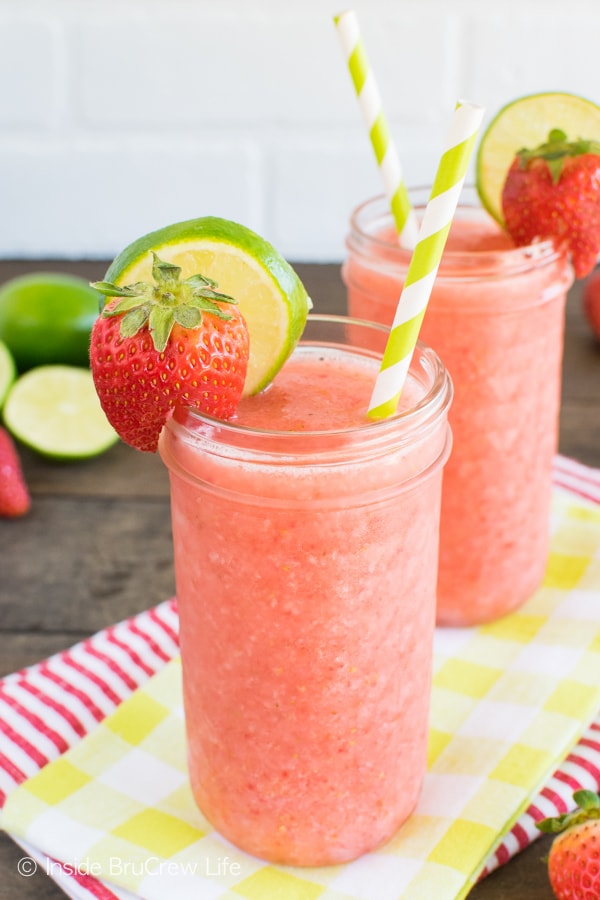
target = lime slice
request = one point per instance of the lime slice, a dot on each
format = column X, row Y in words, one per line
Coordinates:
column 270, row 295
column 526, row 122
column 8, row 372
column 46, row 318
column 55, row 410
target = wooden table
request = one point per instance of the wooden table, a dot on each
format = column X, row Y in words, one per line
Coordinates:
column 96, row 548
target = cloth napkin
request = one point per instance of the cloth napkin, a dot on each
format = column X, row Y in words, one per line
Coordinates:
column 509, row 701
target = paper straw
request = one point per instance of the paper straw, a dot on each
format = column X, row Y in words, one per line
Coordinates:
column 425, row 260
column 371, row 107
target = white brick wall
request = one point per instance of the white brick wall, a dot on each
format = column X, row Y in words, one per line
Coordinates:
column 119, row 116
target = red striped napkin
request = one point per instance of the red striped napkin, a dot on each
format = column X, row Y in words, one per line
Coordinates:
column 49, row 707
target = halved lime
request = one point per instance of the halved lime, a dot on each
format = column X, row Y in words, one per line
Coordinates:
column 55, row 410
column 47, row 317
column 270, row 295
column 8, row 372
column 526, row 122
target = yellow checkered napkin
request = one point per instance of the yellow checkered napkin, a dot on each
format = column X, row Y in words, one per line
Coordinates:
column 509, row 701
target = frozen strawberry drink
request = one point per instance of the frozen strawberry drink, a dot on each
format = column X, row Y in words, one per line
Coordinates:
column 306, row 543
column 495, row 317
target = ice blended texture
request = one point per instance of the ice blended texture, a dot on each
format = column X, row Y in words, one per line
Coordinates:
column 305, row 569
column 495, row 317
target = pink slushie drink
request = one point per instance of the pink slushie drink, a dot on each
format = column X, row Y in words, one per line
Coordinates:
column 305, row 553
column 495, row 317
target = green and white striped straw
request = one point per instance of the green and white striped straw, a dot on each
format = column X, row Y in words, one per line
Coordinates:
column 425, row 260
column 369, row 100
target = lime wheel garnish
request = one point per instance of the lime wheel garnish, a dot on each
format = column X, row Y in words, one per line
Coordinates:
column 526, row 122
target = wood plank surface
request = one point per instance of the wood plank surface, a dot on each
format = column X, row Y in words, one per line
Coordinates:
column 96, row 548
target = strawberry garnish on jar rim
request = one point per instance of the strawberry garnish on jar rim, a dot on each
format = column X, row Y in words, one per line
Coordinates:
column 553, row 191
column 156, row 346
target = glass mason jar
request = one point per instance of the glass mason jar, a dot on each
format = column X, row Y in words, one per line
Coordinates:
column 496, row 319
column 305, row 565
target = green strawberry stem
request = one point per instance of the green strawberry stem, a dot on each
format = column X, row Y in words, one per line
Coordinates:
column 163, row 304
column 588, row 803
column 556, row 149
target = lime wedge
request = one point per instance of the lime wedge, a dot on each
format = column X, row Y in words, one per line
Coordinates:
column 270, row 295
column 526, row 122
column 8, row 372
column 55, row 410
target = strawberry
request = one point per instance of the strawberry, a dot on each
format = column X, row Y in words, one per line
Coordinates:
column 591, row 302
column 158, row 346
column 553, row 191
column 14, row 495
column 574, row 858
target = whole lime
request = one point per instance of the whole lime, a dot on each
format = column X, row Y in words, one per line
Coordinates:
column 47, row 317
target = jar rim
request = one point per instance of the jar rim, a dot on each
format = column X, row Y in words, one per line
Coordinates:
column 509, row 258
column 426, row 411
